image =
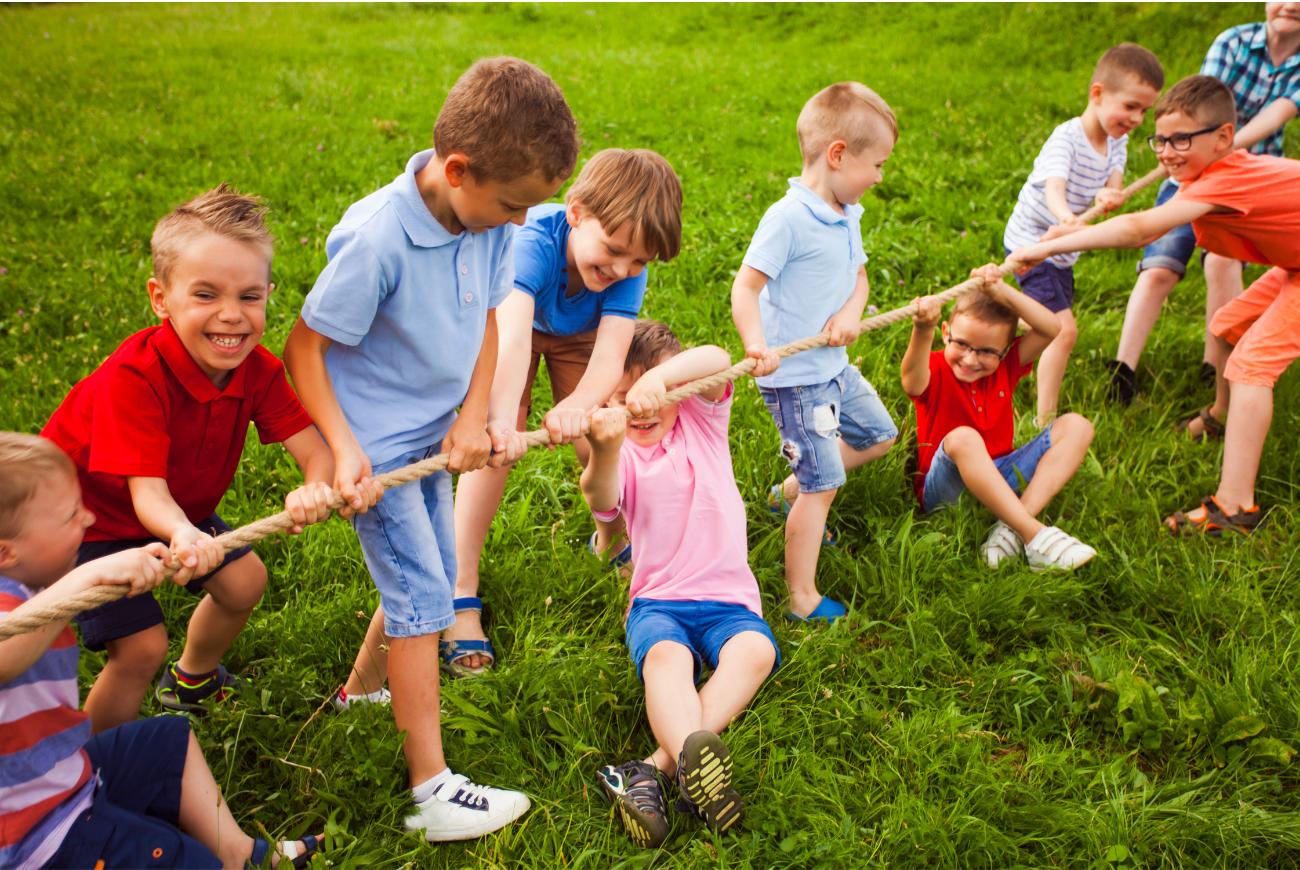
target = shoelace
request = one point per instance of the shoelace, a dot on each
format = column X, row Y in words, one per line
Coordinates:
column 467, row 794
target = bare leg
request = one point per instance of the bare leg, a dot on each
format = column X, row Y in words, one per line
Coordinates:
column 1052, row 366
column 1222, row 285
column 1243, row 445
column 1071, row 435
column 967, row 450
column 413, row 681
column 232, row 593
column 1222, row 389
column 804, row 531
column 671, row 702
column 133, row 662
column 478, row 496
column 1149, row 293
column 371, row 667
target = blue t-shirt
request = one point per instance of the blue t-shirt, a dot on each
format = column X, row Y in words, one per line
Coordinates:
column 541, row 271
column 405, row 304
column 810, row 254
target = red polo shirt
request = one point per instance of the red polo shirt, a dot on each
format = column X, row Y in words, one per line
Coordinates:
column 984, row 405
column 150, row 411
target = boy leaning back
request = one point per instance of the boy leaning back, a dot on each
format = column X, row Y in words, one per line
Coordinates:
column 156, row 433
column 695, row 601
column 1083, row 159
column 803, row 274
column 1242, row 206
column 399, row 331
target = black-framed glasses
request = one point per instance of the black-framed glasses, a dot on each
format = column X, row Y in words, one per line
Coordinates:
column 989, row 355
column 1178, row 141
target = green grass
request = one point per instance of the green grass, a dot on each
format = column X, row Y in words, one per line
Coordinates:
column 1139, row 713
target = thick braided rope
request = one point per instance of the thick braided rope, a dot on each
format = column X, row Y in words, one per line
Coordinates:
column 27, row 618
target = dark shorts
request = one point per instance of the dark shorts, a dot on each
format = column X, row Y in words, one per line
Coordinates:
column 703, row 627
column 132, row 822
column 126, row 616
column 1050, row 285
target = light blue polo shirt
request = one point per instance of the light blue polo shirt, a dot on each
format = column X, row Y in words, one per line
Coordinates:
column 405, row 304
column 810, row 254
column 541, row 271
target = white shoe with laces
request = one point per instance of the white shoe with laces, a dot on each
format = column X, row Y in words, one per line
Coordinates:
column 462, row 810
column 1053, row 548
column 1001, row 544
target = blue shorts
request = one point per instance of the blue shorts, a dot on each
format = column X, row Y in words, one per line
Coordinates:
column 1052, row 286
column 1173, row 250
column 943, row 483
column 409, row 543
column 126, row 616
column 812, row 419
column 133, row 820
column 703, row 627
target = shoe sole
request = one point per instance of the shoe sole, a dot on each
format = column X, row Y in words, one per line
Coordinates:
column 645, row 830
column 705, row 778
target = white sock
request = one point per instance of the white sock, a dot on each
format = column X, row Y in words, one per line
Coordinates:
column 425, row 790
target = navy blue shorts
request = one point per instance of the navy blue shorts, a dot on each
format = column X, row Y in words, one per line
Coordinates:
column 132, row 822
column 126, row 616
column 1050, row 285
column 703, row 627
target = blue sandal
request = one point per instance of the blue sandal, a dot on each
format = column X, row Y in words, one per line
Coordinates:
column 828, row 610
column 297, row 855
column 451, row 651
column 619, row 559
column 777, row 504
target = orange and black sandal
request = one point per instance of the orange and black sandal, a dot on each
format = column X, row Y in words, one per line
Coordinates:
column 1211, row 428
column 1211, row 519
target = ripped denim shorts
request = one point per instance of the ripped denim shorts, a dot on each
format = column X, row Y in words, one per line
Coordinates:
column 813, row 418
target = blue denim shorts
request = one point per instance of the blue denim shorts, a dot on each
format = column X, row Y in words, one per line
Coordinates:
column 943, row 483
column 703, row 627
column 812, row 419
column 1173, row 250
column 409, row 543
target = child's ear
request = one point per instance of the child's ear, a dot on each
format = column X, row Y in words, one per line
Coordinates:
column 158, row 298
column 835, row 153
column 1225, row 134
column 574, row 212
column 1094, row 92
column 8, row 557
column 455, row 167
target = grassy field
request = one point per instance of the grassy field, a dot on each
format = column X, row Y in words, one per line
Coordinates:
column 1142, row 712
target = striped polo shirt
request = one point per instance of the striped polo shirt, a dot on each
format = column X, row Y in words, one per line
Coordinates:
column 1067, row 154
column 45, row 774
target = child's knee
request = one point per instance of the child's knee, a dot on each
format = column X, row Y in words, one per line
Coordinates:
column 961, row 442
column 1073, row 427
column 1069, row 333
column 139, row 655
column 668, row 654
column 239, row 585
column 755, row 650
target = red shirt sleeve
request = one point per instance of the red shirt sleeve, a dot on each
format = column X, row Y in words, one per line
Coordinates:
column 278, row 414
column 129, row 422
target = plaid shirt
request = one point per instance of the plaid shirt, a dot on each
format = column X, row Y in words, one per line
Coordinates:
column 1239, row 58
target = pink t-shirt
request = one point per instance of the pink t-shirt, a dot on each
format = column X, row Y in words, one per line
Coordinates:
column 684, row 512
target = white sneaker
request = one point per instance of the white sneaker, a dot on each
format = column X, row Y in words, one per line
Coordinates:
column 1001, row 544
column 342, row 700
column 462, row 810
column 1053, row 548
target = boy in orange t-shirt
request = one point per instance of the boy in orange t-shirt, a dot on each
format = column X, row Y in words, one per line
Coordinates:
column 1241, row 205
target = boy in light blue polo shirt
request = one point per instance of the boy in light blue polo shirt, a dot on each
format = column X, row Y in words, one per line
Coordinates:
column 398, row 331
column 802, row 275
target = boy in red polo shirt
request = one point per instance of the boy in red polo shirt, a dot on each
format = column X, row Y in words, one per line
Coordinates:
column 1242, row 206
column 965, row 421
column 156, row 433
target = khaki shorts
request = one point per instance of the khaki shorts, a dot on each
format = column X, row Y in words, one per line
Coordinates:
column 1263, row 325
column 566, row 362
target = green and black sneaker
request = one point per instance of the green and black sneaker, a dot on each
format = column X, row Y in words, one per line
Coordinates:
column 186, row 693
column 704, row 779
column 634, row 788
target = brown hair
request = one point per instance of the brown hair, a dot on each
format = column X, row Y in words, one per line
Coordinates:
column 1129, row 59
column 510, row 120
column 637, row 187
column 846, row 110
column 26, row 462
column 651, row 342
column 1204, row 98
column 222, row 210
column 986, row 308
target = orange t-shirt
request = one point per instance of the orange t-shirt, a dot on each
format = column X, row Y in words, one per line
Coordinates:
column 1264, row 195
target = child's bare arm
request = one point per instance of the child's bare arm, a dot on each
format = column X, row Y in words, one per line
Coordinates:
column 1054, row 198
column 1126, row 231
column 916, row 360
column 843, row 324
column 467, row 443
column 1111, row 196
column 310, row 502
column 647, row 395
column 1043, row 324
column 197, row 551
column 749, row 323
column 604, row 371
column 600, row 478
column 515, row 343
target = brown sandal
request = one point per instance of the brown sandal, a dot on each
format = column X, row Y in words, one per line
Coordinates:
column 1213, row 520
column 1211, row 427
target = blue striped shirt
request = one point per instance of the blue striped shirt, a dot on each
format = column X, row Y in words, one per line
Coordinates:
column 1239, row 58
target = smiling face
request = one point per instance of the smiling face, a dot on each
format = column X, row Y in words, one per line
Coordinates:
column 215, row 298
column 53, row 523
column 650, row 432
column 1203, row 150
column 482, row 205
column 973, row 348
column 1121, row 108
column 599, row 259
column 858, row 173
column 1283, row 19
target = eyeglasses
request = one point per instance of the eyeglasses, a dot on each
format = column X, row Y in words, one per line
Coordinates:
column 983, row 354
column 1178, row 141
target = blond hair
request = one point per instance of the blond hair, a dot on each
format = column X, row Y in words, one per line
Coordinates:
column 1128, row 59
column 26, row 462
column 652, row 341
column 510, row 120
column 636, row 187
column 223, row 211
column 1204, row 98
column 850, row 111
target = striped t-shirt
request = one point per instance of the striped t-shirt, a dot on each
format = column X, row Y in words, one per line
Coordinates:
column 1068, row 155
column 45, row 774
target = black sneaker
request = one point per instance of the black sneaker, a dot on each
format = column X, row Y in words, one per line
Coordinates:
column 1123, row 382
column 184, row 694
column 1207, row 373
column 634, row 788
column 704, row 779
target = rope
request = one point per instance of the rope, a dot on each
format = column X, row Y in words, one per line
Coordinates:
column 28, row 617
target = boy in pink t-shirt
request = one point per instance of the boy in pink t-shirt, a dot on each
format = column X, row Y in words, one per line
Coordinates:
column 695, row 601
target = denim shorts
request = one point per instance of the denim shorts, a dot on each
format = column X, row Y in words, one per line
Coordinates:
column 812, row 419
column 127, row 616
column 409, row 543
column 133, row 820
column 703, row 627
column 943, row 483
column 1174, row 249
column 1050, row 285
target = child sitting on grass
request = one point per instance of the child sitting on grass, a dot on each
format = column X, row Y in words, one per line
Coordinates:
column 694, row 599
column 1243, row 206
column 138, row 795
column 1083, row 159
column 156, row 433
column 965, row 420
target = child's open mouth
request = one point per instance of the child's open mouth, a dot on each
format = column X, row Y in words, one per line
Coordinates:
column 227, row 343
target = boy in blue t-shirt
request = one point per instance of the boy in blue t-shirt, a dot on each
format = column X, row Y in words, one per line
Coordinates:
column 803, row 274
column 579, row 281
column 399, row 331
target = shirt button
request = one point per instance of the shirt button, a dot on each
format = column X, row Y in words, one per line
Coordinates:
column 469, row 297
column 464, row 270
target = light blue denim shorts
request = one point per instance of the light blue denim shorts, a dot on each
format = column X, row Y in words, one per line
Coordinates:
column 812, row 419
column 943, row 483
column 409, row 543
column 1173, row 250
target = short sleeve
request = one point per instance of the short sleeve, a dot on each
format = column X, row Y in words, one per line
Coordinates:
column 1119, row 155
column 713, row 416
column 1057, row 156
column 624, row 298
column 342, row 304
column 772, row 244
column 503, row 279
column 278, row 414
column 129, row 419
column 535, row 255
